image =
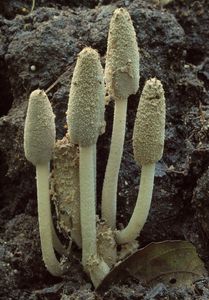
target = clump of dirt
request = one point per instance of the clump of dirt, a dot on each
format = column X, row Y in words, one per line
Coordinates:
column 39, row 49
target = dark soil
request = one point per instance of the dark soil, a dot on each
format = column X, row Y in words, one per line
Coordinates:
column 39, row 49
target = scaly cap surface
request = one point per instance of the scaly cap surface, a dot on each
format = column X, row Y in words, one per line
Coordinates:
column 149, row 128
column 39, row 132
column 122, row 59
column 85, row 114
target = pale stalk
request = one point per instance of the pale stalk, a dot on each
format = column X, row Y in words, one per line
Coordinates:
column 45, row 220
column 142, row 207
column 109, row 192
column 90, row 260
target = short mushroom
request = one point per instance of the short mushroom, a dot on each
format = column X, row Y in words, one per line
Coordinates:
column 148, row 143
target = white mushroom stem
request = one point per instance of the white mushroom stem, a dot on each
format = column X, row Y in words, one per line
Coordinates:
column 87, row 202
column 109, row 192
column 45, row 220
column 141, row 210
column 90, row 260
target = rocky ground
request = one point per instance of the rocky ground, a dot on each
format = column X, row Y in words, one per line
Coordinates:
column 39, row 49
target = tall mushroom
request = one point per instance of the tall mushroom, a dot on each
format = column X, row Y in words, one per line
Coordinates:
column 122, row 80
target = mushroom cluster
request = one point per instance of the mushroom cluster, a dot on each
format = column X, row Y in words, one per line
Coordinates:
column 71, row 180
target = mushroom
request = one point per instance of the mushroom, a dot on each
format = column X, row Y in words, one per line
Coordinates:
column 39, row 139
column 148, row 143
column 122, row 80
column 85, row 108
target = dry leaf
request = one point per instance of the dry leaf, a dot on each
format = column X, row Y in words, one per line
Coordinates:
column 174, row 263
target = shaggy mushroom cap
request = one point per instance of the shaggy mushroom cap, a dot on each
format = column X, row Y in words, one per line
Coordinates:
column 149, row 129
column 85, row 114
column 122, row 60
column 39, row 133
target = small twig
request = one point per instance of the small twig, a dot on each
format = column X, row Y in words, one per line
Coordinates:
column 58, row 79
column 33, row 5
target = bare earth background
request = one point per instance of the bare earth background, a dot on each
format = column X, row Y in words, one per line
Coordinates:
column 39, row 49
